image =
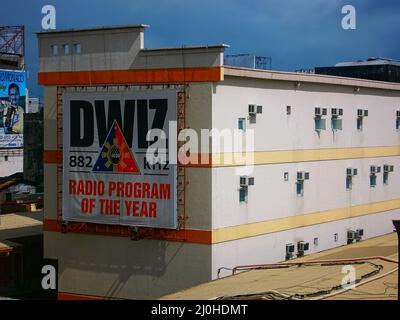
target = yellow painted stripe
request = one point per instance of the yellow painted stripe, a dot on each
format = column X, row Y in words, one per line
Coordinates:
column 277, row 225
column 289, row 156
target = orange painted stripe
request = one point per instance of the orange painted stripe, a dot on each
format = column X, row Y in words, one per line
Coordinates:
column 52, row 156
column 75, row 297
column 172, row 75
column 51, row 225
column 187, row 235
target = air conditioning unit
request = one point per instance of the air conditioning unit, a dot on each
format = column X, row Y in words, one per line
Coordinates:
column 251, row 181
column 246, row 181
column 375, row 169
column 321, row 112
column 289, row 248
column 351, row 236
column 252, row 109
column 289, row 251
column 336, row 112
column 351, row 171
column 388, row 168
column 301, row 175
column 303, row 246
column 243, row 182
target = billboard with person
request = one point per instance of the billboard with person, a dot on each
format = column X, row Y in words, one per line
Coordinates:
column 12, row 108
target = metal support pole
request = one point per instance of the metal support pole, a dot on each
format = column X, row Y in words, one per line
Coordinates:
column 396, row 224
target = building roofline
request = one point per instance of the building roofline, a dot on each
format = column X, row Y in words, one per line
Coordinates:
column 212, row 46
column 310, row 78
column 115, row 27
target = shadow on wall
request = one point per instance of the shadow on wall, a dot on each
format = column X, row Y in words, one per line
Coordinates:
column 145, row 260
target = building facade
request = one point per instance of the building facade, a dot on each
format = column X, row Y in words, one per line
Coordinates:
column 310, row 134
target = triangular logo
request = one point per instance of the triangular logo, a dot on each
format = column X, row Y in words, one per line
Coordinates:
column 115, row 155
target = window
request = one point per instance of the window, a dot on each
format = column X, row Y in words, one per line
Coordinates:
column 336, row 237
column 286, row 176
column 242, row 124
column 288, row 110
column 66, row 49
column 359, row 123
column 315, row 241
column 242, row 194
column 5, row 158
column 336, row 124
column 300, row 188
column 77, row 48
column 397, row 123
column 54, row 49
column 349, row 182
column 320, row 124
column 361, row 114
column 372, row 180
column 386, row 170
column 386, row 178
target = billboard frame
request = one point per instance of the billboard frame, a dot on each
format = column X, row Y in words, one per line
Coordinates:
column 135, row 233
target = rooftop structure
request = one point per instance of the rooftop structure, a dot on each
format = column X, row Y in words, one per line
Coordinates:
column 380, row 69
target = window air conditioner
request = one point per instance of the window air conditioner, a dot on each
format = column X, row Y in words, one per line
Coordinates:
column 303, row 246
column 388, row 168
column 246, row 181
column 252, row 110
column 375, row 169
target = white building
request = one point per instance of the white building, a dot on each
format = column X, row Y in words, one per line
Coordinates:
column 303, row 190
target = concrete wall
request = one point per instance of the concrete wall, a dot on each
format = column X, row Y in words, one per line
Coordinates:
column 122, row 268
column 198, row 190
column 274, row 130
column 271, row 248
column 118, row 49
column 274, row 198
column 100, row 49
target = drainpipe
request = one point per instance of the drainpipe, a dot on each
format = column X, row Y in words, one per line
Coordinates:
column 397, row 226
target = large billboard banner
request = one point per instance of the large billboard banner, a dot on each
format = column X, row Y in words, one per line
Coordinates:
column 107, row 176
column 12, row 108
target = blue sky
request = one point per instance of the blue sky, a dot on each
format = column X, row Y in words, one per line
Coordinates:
column 295, row 33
